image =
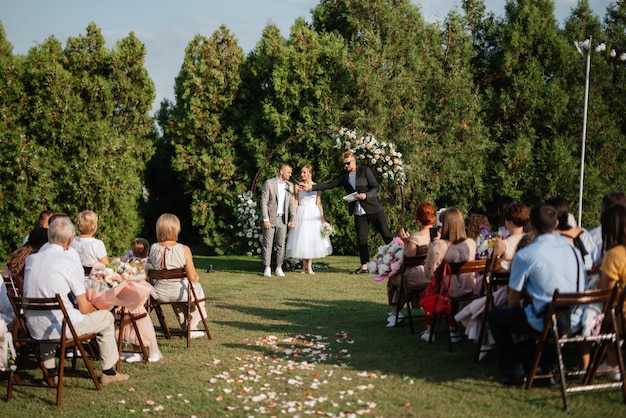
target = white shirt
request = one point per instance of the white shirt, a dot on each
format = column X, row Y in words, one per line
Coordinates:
column 89, row 249
column 280, row 195
column 46, row 274
column 358, row 209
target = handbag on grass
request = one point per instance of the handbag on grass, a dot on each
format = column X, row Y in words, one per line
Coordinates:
column 435, row 299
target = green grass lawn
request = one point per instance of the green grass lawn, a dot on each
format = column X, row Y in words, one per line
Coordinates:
column 304, row 345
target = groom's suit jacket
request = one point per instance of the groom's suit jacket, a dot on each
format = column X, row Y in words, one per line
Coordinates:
column 365, row 183
column 269, row 201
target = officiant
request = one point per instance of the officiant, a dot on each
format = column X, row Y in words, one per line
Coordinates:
column 362, row 193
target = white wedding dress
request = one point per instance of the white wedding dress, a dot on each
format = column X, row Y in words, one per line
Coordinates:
column 305, row 240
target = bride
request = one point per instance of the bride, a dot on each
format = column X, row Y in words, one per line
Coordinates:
column 305, row 240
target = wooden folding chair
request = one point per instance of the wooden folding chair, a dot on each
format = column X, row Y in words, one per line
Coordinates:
column 192, row 302
column 124, row 318
column 553, row 334
column 410, row 294
column 22, row 305
column 463, row 267
column 620, row 314
column 12, row 285
column 13, row 288
column 494, row 279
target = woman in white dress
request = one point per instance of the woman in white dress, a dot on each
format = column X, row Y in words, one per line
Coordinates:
column 305, row 240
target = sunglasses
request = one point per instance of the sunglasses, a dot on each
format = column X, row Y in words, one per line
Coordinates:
column 347, row 162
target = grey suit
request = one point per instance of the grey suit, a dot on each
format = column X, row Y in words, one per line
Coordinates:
column 275, row 236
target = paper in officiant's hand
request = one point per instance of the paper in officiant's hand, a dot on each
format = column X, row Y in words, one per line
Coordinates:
column 351, row 197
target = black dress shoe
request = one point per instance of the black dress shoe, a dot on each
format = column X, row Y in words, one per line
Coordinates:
column 360, row 271
column 509, row 380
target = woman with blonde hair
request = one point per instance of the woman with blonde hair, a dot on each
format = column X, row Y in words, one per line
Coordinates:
column 454, row 246
column 168, row 254
column 305, row 240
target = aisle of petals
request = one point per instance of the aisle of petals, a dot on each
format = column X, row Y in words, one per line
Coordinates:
column 258, row 384
column 261, row 381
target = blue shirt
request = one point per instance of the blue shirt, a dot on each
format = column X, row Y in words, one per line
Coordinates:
column 549, row 263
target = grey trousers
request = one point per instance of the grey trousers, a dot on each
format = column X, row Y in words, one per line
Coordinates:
column 102, row 323
column 274, row 237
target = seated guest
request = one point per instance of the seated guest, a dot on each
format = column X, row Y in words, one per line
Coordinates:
column 613, row 268
column 416, row 244
column 503, row 202
column 15, row 263
column 91, row 250
column 453, row 247
column 479, row 229
column 167, row 253
column 139, row 249
column 576, row 235
column 53, row 271
column 42, row 222
column 549, row 263
column 516, row 216
column 596, row 233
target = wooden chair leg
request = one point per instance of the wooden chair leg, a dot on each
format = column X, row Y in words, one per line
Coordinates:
column 483, row 329
column 142, row 347
column 166, row 329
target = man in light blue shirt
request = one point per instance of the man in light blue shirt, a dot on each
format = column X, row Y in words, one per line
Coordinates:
column 549, row 263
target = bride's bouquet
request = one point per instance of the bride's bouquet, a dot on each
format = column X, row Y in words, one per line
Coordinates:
column 327, row 230
column 388, row 260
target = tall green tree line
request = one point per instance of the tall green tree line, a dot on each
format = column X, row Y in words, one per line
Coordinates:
column 480, row 106
column 76, row 134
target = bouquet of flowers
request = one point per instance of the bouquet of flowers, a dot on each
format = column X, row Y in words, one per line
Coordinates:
column 105, row 276
column 327, row 230
column 485, row 243
column 388, row 260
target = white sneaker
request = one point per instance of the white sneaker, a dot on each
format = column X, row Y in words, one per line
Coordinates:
column 391, row 320
column 134, row 358
column 426, row 336
column 456, row 336
column 154, row 359
column 267, row 272
column 612, row 372
column 197, row 334
column 483, row 351
column 280, row 272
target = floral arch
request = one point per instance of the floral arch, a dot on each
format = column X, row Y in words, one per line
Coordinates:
column 381, row 156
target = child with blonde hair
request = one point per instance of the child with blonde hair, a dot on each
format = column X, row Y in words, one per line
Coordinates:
column 91, row 250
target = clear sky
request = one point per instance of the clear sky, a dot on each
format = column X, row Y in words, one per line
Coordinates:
column 167, row 26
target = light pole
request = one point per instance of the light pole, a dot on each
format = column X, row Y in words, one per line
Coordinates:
column 585, row 47
column 582, row 47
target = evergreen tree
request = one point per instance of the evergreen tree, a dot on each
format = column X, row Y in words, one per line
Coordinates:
column 456, row 159
column 197, row 128
column 23, row 177
column 536, row 155
column 83, row 134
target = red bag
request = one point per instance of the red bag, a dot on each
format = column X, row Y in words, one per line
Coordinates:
column 435, row 299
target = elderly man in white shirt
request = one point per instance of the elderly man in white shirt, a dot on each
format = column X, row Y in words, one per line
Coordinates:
column 54, row 271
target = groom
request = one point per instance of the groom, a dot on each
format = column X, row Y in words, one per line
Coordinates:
column 366, row 209
column 278, row 209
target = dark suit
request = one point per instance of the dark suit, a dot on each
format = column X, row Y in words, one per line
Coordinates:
column 374, row 214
